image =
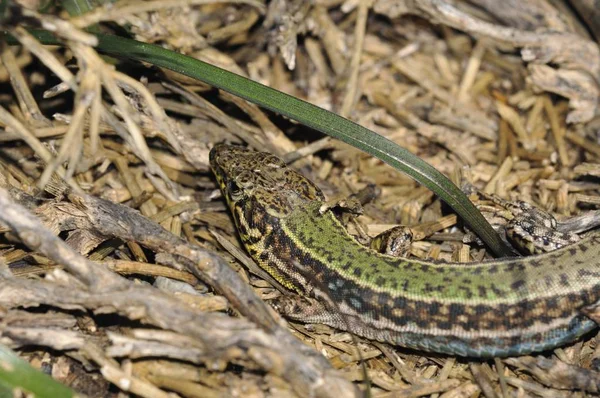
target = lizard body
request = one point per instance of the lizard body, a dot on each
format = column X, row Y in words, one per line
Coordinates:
column 493, row 308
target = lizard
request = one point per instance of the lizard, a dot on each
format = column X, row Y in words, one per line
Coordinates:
column 493, row 308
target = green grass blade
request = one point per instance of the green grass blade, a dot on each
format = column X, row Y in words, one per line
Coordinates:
column 16, row 374
column 310, row 115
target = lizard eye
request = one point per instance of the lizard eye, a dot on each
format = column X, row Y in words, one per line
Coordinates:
column 235, row 192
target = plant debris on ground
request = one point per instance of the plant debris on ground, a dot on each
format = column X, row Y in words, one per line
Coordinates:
column 120, row 267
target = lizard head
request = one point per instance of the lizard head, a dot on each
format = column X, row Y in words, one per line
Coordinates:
column 258, row 185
